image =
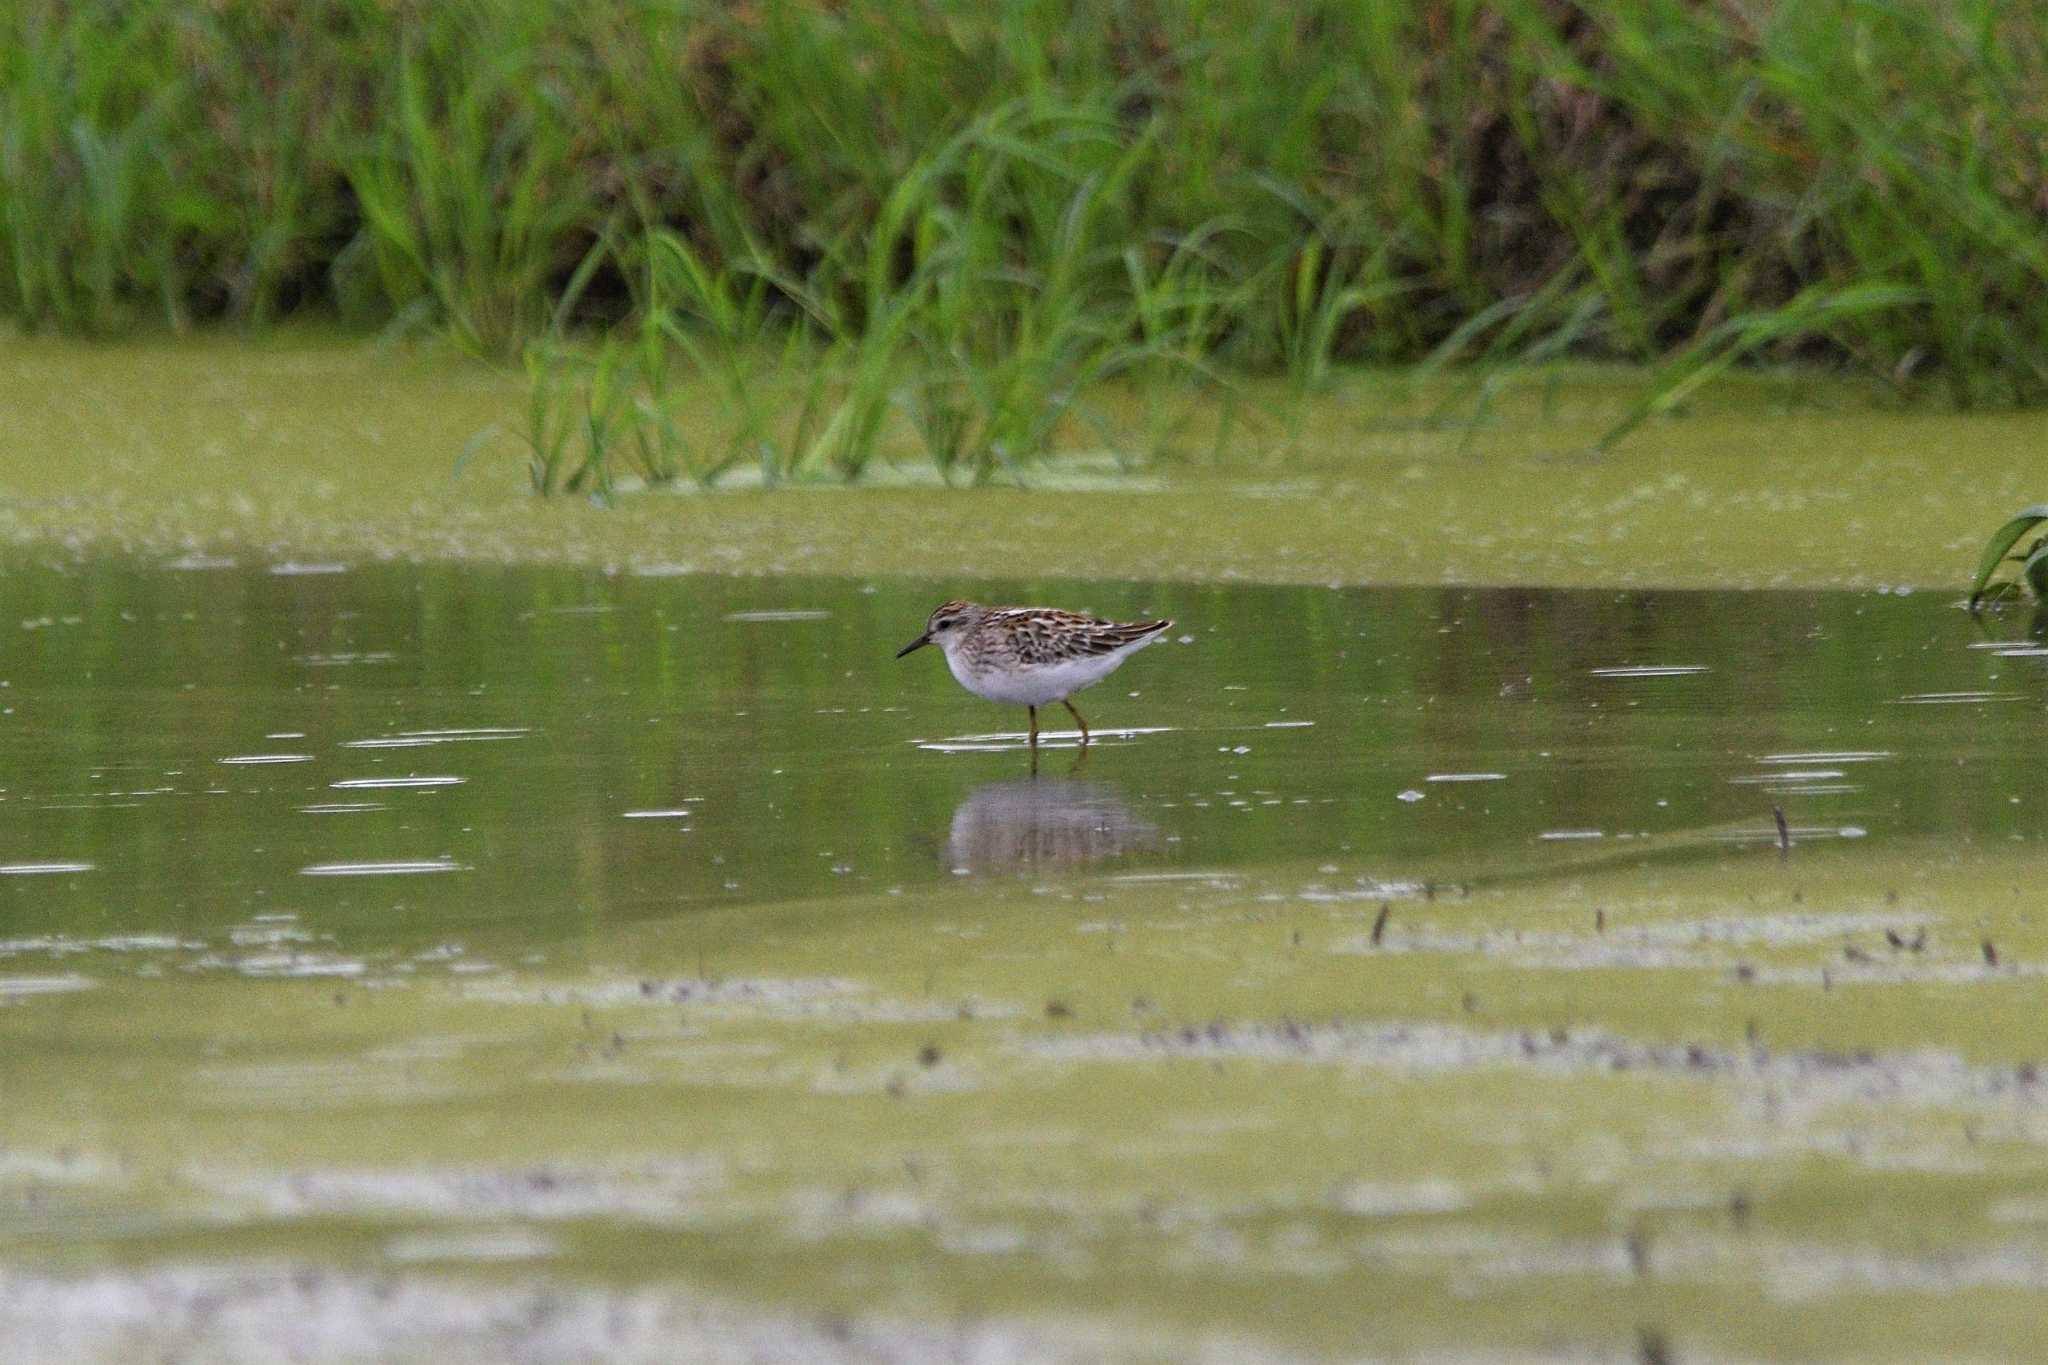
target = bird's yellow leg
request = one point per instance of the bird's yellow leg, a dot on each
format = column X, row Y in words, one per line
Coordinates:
column 1078, row 721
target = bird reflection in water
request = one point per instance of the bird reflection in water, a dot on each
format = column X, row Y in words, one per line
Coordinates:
column 1043, row 824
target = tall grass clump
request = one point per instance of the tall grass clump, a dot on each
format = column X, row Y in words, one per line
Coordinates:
column 162, row 164
column 961, row 217
column 996, row 287
column 472, row 185
column 89, row 218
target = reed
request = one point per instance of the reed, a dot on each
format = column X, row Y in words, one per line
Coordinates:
column 1043, row 197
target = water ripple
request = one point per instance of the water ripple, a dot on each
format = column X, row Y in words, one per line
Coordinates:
column 1021, row 739
column 378, row 783
column 1649, row 671
column 12, row 987
column 397, row 868
column 414, row 739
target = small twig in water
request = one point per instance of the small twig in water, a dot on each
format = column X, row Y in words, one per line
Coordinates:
column 1784, row 833
column 1379, row 924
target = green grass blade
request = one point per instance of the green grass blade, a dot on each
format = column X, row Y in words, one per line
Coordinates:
column 2001, row 543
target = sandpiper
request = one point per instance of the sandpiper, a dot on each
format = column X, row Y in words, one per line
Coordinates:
column 1031, row 656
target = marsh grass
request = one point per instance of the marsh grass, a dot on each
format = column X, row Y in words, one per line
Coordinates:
column 1046, row 199
column 471, row 192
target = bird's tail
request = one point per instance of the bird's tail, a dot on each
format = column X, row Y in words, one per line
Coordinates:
column 1145, row 632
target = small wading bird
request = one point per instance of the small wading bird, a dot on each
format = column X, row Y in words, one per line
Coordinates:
column 1031, row 656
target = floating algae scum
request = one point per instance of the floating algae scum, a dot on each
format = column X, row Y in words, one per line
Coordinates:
column 416, row 962
column 317, row 449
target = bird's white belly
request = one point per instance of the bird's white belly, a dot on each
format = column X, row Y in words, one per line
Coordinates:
column 1037, row 684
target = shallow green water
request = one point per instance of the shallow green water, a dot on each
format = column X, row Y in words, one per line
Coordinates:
column 402, row 961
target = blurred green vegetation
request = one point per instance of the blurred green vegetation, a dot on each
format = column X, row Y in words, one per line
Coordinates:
column 957, row 219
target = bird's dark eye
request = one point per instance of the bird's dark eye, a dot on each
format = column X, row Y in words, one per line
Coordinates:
column 942, row 623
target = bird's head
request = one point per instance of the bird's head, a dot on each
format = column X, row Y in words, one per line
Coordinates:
column 948, row 621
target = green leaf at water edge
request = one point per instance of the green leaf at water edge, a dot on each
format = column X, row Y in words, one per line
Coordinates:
column 2001, row 542
column 2034, row 568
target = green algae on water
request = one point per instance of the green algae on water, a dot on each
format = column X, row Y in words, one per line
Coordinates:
column 301, row 448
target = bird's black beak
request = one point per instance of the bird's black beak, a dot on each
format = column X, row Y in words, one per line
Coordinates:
column 919, row 643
